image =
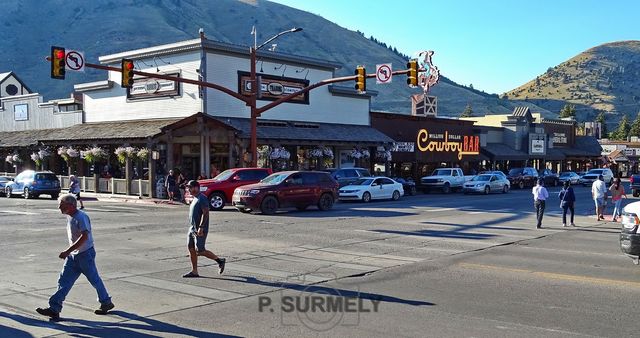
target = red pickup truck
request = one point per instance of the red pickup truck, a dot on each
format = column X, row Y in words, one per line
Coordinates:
column 219, row 190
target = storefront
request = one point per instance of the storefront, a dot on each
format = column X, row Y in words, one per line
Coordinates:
column 422, row 144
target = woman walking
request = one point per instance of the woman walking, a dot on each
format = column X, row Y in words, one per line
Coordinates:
column 617, row 193
column 567, row 199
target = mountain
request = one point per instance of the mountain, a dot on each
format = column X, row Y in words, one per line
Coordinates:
column 603, row 78
column 30, row 27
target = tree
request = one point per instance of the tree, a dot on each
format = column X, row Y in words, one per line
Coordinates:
column 635, row 127
column 468, row 112
column 623, row 129
column 568, row 110
column 603, row 123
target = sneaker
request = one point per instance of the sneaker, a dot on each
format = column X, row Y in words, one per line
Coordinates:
column 221, row 265
column 572, row 224
column 104, row 308
column 564, row 225
column 49, row 313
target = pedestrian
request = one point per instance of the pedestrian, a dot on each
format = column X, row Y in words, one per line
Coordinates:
column 181, row 182
column 74, row 188
column 202, row 176
column 214, row 171
column 79, row 259
column 540, row 195
column 567, row 200
column 617, row 193
column 170, row 185
column 598, row 192
column 198, row 230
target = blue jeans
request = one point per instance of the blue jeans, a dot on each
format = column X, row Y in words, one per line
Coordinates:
column 617, row 210
column 82, row 263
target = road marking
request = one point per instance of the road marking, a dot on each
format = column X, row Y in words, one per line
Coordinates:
column 193, row 290
column 553, row 275
column 19, row 212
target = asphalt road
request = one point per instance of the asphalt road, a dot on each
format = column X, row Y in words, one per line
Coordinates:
column 428, row 265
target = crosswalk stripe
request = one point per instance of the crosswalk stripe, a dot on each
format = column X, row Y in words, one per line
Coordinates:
column 19, row 212
column 276, row 273
column 193, row 290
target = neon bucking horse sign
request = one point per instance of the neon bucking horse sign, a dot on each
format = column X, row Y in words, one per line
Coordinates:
column 429, row 74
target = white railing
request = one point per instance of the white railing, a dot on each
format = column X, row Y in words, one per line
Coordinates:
column 116, row 186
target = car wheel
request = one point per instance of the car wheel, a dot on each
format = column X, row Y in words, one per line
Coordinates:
column 326, row 202
column 505, row 189
column 446, row 188
column 396, row 195
column 269, row 205
column 26, row 194
column 487, row 190
column 412, row 191
column 7, row 192
column 636, row 194
column 366, row 197
column 301, row 207
column 521, row 184
column 216, row 201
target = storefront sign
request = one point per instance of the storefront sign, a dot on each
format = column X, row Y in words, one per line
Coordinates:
column 274, row 87
column 537, row 147
column 609, row 148
column 145, row 87
column 403, row 147
column 559, row 139
column 462, row 145
column 632, row 151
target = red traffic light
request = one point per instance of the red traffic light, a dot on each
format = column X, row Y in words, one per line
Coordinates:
column 129, row 65
column 60, row 54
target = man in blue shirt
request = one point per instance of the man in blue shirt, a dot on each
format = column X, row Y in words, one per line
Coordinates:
column 198, row 230
column 79, row 259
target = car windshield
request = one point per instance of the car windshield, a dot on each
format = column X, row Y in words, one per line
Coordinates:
column 363, row 181
column 565, row 174
column 441, row 172
column 514, row 172
column 595, row 171
column 482, row 178
column 274, row 178
column 224, row 175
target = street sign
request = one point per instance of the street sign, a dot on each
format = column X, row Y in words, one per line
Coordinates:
column 383, row 73
column 75, row 61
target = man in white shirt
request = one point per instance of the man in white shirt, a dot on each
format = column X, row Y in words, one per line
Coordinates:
column 598, row 192
column 540, row 195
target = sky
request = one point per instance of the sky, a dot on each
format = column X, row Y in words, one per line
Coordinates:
column 494, row 45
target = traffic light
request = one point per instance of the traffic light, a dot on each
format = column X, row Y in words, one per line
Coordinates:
column 361, row 79
column 127, row 73
column 57, row 62
column 412, row 75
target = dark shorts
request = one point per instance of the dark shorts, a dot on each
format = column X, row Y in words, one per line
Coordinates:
column 197, row 242
column 77, row 195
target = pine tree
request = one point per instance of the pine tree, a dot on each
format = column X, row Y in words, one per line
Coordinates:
column 568, row 110
column 623, row 129
column 635, row 127
column 468, row 112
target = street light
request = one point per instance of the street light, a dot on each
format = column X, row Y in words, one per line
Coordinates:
column 255, row 91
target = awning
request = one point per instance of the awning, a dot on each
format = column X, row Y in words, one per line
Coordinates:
column 296, row 131
column 500, row 151
column 554, row 154
column 23, row 138
column 585, row 147
column 103, row 131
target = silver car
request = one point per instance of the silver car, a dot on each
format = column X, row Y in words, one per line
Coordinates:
column 486, row 184
column 592, row 175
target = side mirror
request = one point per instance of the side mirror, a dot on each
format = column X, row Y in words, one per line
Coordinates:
column 235, row 178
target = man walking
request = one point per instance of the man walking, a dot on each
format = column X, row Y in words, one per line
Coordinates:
column 598, row 192
column 199, row 221
column 79, row 259
column 540, row 195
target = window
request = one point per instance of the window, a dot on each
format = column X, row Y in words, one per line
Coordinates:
column 386, row 181
column 310, row 178
column 363, row 172
column 455, row 173
column 350, row 173
column 21, row 112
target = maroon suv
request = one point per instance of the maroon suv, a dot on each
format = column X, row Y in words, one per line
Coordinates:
column 220, row 188
column 299, row 189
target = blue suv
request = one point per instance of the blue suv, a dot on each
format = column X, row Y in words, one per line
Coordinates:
column 31, row 184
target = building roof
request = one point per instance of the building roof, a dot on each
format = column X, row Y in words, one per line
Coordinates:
column 500, row 151
column 23, row 138
column 585, row 146
column 554, row 154
column 4, row 75
column 521, row 111
column 307, row 131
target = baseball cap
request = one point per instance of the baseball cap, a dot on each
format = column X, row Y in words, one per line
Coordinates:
column 193, row 183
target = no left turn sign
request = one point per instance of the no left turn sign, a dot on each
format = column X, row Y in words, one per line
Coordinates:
column 75, row 60
column 383, row 73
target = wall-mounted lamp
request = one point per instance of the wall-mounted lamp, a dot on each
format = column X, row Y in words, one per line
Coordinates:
column 155, row 155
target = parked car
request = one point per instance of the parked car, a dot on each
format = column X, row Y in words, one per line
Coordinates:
column 371, row 188
column 549, row 177
column 570, row 176
column 486, row 184
column 592, row 175
column 494, row 172
column 634, row 185
column 3, row 183
column 446, row 179
column 346, row 176
column 32, row 184
column 630, row 233
column 523, row 177
column 299, row 189
column 219, row 190
column 408, row 185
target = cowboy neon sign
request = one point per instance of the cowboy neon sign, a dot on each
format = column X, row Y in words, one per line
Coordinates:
column 463, row 145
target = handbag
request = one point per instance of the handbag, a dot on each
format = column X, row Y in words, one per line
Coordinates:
column 563, row 203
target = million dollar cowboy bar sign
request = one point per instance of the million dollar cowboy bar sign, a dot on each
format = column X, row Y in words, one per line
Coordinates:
column 462, row 145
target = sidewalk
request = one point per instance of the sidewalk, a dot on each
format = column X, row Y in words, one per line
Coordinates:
column 102, row 197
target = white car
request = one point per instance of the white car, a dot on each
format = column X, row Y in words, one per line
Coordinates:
column 368, row 188
column 486, row 184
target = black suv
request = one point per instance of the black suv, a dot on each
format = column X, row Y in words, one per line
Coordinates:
column 523, row 177
column 550, row 178
column 346, row 176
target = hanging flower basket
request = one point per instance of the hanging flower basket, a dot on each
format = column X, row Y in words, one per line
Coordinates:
column 327, row 153
column 68, row 153
column 143, row 153
column 383, row 156
column 315, row 153
column 279, row 153
column 94, row 154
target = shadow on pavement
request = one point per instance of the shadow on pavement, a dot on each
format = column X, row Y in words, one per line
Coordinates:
column 91, row 328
